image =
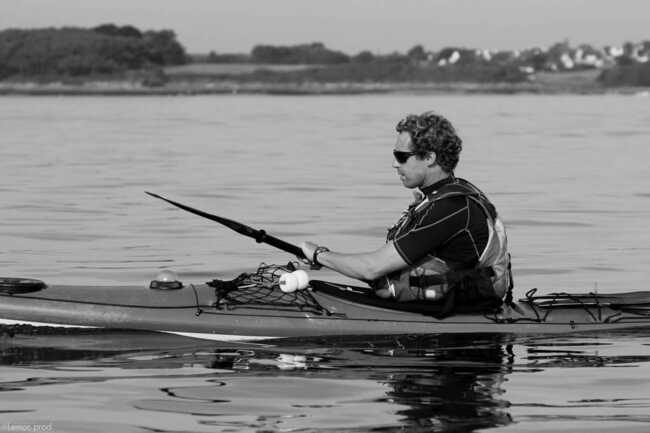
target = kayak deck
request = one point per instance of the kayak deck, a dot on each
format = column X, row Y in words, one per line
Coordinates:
column 325, row 309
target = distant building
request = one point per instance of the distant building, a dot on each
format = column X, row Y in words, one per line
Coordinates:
column 566, row 61
column 558, row 57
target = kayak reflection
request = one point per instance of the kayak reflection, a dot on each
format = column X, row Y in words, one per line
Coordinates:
column 433, row 383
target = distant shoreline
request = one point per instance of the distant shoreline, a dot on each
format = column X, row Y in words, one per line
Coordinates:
column 132, row 88
column 114, row 60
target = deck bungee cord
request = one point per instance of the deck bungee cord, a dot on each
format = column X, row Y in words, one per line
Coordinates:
column 261, row 290
column 592, row 303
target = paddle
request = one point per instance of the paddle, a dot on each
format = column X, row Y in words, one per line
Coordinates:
column 259, row 235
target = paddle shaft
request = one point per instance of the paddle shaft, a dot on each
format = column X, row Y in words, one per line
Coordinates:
column 259, row 235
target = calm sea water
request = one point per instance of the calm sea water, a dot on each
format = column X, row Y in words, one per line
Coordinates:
column 569, row 175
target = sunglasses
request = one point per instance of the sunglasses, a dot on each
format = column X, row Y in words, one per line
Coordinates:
column 401, row 156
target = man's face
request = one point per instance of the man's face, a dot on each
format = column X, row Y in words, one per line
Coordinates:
column 412, row 172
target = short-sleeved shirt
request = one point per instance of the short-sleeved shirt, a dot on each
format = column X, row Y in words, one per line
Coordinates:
column 453, row 229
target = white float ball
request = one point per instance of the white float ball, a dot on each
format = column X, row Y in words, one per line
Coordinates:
column 288, row 283
column 303, row 279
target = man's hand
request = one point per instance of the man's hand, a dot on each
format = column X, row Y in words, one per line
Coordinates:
column 308, row 249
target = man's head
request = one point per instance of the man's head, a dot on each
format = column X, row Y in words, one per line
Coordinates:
column 432, row 133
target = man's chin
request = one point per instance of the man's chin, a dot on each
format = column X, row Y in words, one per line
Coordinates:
column 407, row 183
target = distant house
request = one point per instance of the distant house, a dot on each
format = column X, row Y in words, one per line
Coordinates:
column 614, row 52
column 484, row 54
column 640, row 54
column 566, row 61
column 450, row 59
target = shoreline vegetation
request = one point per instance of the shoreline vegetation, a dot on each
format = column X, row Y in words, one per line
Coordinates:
column 112, row 60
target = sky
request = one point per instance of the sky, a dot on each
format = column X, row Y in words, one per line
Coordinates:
column 381, row 26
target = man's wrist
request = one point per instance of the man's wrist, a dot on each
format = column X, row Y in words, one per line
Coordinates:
column 317, row 251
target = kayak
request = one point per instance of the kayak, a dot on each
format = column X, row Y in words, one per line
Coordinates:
column 253, row 306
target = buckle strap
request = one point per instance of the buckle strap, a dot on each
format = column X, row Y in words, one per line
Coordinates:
column 450, row 277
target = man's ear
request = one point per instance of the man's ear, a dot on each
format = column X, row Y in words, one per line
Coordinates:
column 431, row 159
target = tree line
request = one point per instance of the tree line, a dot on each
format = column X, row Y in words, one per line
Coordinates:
column 110, row 49
column 415, row 65
column 71, row 51
column 627, row 65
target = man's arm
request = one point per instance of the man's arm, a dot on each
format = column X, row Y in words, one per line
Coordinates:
column 362, row 266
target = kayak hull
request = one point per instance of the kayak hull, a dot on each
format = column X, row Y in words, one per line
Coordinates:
column 195, row 311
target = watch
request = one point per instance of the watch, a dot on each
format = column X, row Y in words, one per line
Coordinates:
column 317, row 251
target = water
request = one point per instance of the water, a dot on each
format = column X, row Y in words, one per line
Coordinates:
column 569, row 175
column 392, row 384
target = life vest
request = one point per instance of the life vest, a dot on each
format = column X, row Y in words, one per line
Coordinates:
column 432, row 278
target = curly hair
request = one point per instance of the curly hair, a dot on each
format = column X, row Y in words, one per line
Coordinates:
column 431, row 132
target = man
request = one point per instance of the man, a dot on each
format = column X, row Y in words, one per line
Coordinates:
column 449, row 245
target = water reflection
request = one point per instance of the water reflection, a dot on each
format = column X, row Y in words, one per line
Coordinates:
column 443, row 383
column 437, row 383
column 462, row 389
